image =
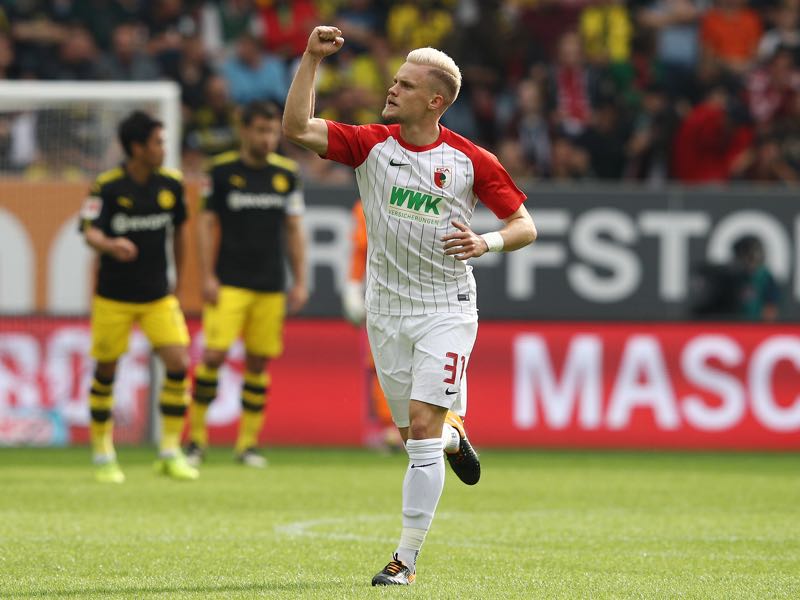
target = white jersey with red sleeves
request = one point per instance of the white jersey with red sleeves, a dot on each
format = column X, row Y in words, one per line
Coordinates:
column 410, row 196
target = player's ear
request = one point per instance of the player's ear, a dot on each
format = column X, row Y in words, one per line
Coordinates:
column 437, row 102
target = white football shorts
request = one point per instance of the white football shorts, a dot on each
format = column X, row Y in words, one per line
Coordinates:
column 424, row 358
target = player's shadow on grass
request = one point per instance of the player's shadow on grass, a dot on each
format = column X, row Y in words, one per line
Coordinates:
column 143, row 592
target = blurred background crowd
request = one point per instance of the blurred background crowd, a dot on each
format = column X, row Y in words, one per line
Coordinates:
column 697, row 91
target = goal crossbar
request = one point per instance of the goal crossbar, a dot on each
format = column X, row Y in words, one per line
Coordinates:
column 21, row 95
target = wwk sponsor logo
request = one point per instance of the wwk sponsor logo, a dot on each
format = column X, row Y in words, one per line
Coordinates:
column 414, row 206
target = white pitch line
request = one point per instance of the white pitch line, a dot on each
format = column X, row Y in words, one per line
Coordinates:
column 307, row 528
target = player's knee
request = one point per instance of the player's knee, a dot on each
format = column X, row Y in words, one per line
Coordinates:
column 424, row 427
column 213, row 359
column 418, row 430
column 256, row 364
column 105, row 371
column 177, row 362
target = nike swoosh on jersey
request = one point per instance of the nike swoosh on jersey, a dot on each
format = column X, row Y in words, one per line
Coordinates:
column 399, row 164
column 450, row 392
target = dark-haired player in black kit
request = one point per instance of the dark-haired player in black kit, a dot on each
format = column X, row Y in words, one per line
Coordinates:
column 127, row 217
column 256, row 200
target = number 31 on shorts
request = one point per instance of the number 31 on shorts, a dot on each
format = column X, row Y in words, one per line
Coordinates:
column 451, row 366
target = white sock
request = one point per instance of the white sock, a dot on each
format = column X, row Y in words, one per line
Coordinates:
column 451, row 439
column 103, row 459
column 422, row 488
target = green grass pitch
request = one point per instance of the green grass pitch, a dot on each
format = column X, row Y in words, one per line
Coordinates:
column 319, row 523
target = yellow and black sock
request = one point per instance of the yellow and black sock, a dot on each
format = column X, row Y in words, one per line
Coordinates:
column 254, row 401
column 205, row 390
column 173, row 401
column 101, row 426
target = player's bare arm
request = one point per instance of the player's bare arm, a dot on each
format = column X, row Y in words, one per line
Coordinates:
column 296, row 248
column 518, row 232
column 207, row 223
column 122, row 249
column 299, row 124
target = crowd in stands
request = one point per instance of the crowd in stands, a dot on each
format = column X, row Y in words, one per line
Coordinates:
column 697, row 91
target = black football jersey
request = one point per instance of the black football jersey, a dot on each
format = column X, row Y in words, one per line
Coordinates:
column 145, row 214
column 252, row 205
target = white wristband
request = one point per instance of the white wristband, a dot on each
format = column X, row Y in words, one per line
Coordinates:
column 494, row 240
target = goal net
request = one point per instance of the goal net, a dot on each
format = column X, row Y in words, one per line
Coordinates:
column 55, row 137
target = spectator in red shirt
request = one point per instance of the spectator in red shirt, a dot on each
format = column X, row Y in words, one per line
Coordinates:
column 286, row 24
column 711, row 140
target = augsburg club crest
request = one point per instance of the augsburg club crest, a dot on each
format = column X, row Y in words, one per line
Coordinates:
column 442, row 176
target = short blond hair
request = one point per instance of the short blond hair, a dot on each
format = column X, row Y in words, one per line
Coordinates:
column 443, row 68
